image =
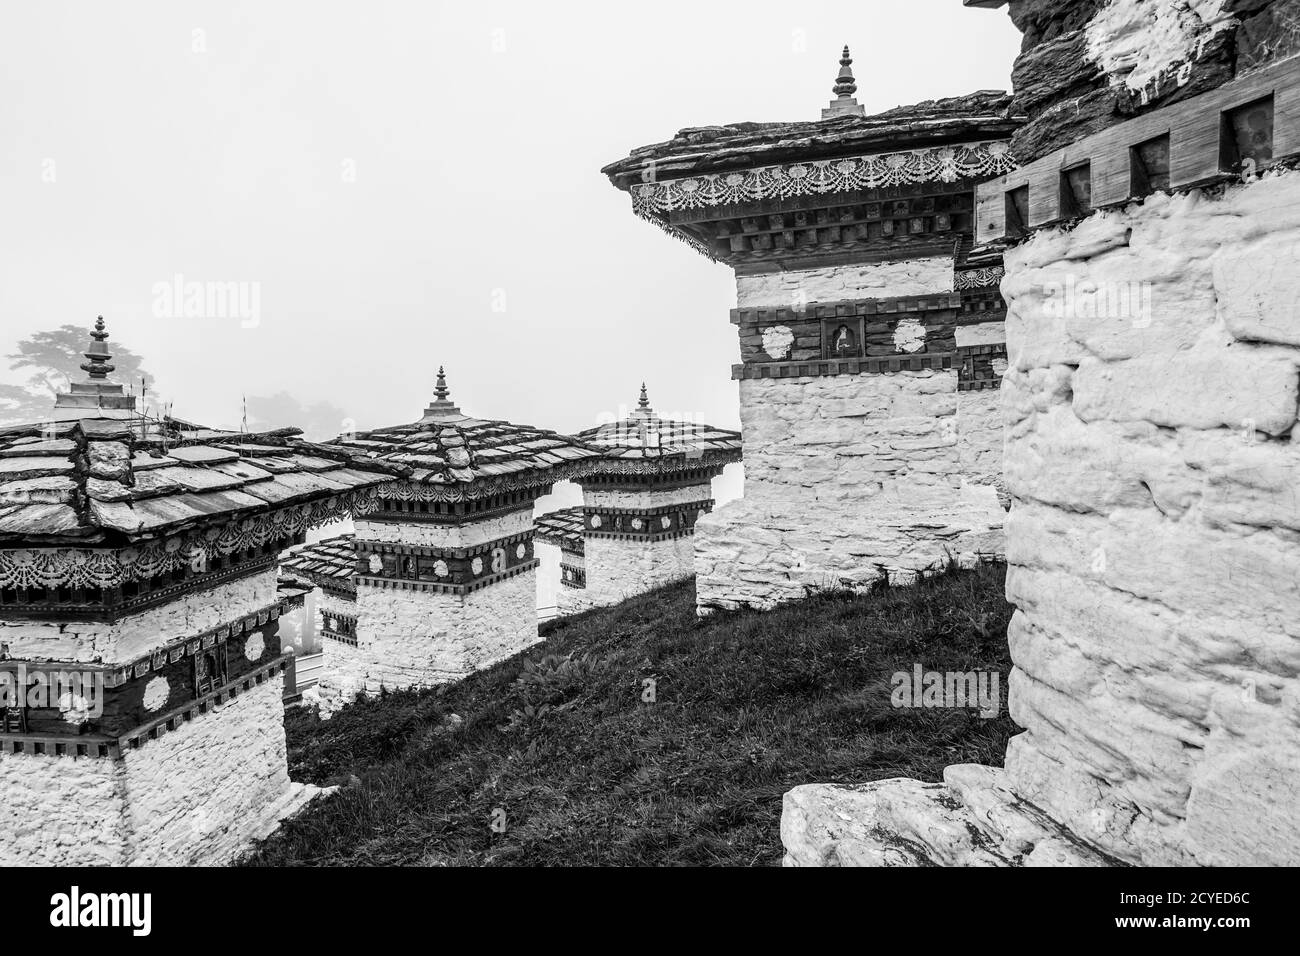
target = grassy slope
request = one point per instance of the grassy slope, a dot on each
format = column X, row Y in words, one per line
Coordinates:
column 748, row 705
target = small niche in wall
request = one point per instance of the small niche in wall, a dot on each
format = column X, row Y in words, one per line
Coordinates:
column 1017, row 212
column 1076, row 191
column 1246, row 135
column 842, row 338
column 1149, row 166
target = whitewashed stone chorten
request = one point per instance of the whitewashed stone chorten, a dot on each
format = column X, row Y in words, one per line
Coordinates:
column 871, row 339
column 563, row 529
column 642, row 499
column 140, row 657
column 446, row 574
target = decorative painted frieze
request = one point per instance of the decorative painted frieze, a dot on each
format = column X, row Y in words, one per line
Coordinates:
column 405, row 501
column 340, row 627
column 445, row 570
column 862, row 329
column 101, row 568
column 943, row 164
column 644, row 524
column 978, row 278
column 130, row 701
column 982, row 366
column 836, row 367
column 81, row 743
column 572, row 576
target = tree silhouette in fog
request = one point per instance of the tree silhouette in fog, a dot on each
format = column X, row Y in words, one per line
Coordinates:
column 46, row 363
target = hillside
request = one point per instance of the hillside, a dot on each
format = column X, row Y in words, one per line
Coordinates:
column 557, row 749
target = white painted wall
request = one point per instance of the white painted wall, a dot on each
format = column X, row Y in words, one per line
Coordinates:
column 430, row 535
column 846, row 477
column 618, row 569
column 602, row 498
column 850, row 477
column 1154, row 542
column 422, row 638
column 875, row 280
column 197, row 795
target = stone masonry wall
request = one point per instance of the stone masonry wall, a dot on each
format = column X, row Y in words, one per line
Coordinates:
column 618, row 569
column 417, row 639
column 876, row 280
column 435, row 535
column 601, row 498
column 197, row 795
column 846, row 477
column 201, row 793
column 62, row 811
column 979, row 440
column 1154, row 543
column 850, row 477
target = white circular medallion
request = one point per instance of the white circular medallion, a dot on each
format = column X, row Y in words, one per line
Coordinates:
column 909, row 336
column 440, row 568
column 376, row 564
column 665, row 522
column 477, row 566
column 637, row 524
column 255, row 647
column 74, row 707
column 156, row 693
column 595, row 521
column 520, row 551
column 777, row 341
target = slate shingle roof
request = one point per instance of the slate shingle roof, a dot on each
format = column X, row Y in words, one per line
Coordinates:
column 711, row 149
column 446, row 447
column 332, row 561
column 654, row 437
column 561, row 528
column 113, row 481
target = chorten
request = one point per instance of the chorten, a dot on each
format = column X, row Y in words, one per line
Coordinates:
column 641, row 501
column 140, row 651
column 445, row 579
column 871, row 337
